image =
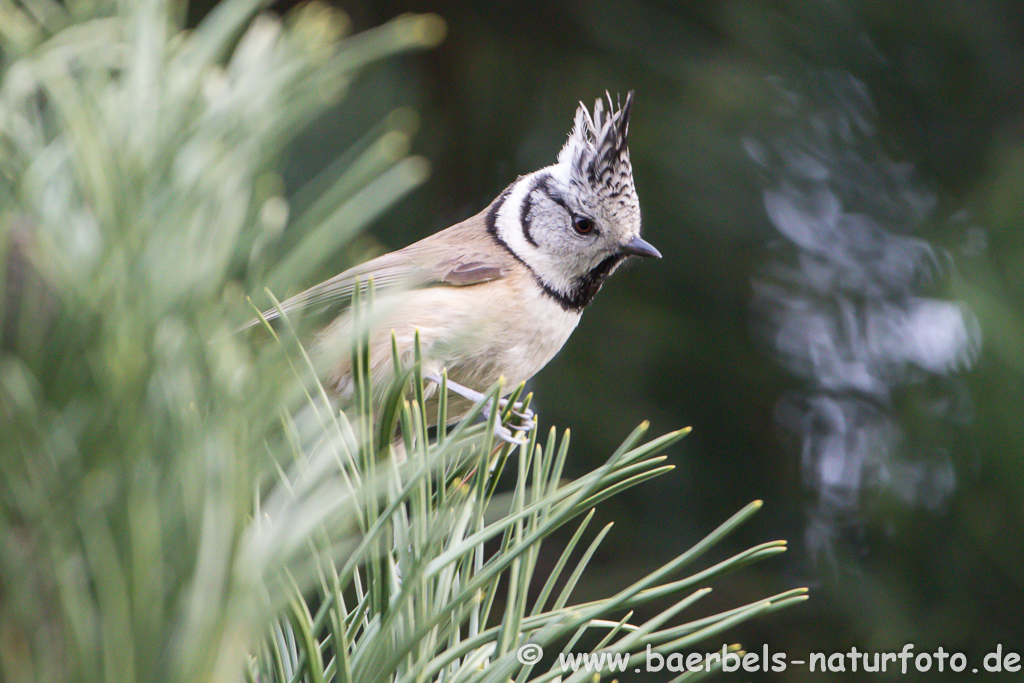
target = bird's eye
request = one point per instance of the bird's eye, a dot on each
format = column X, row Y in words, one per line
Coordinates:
column 583, row 226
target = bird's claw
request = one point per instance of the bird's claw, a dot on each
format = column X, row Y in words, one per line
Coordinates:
column 524, row 415
column 505, row 434
column 526, row 423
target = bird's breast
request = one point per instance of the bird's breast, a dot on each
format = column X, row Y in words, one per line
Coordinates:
column 507, row 328
column 477, row 334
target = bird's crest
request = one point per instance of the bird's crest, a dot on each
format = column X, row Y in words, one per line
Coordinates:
column 596, row 152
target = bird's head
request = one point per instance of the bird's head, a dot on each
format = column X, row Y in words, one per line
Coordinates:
column 574, row 222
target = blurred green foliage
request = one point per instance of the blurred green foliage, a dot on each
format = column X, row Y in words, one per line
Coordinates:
column 139, row 176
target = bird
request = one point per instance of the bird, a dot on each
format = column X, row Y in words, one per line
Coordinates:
column 496, row 296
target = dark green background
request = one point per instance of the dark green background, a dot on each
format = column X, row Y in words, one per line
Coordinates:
column 677, row 342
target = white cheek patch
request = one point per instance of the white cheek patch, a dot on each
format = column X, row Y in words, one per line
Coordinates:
column 509, row 226
column 509, row 223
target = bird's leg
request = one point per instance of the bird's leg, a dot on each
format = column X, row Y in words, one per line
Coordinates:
column 525, row 415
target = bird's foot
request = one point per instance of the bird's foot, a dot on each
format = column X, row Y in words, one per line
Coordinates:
column 503, row 433
column 526, row 418
column 519, row 432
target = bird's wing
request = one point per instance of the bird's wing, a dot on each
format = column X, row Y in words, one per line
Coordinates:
column 459, row 256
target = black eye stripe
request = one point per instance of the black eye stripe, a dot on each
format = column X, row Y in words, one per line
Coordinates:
column 539, row 183
column 552, row 193
column 542, row 183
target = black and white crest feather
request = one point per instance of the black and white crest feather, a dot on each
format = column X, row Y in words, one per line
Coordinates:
column 597, row 153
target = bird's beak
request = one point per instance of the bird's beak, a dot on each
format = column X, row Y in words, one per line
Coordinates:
column 638, row 247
